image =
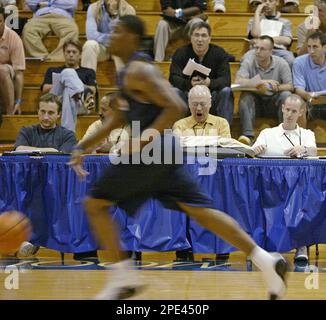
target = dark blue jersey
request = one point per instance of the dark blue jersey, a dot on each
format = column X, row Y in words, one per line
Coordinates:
column 145, row 113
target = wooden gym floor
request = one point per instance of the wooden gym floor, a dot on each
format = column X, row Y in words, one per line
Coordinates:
column 165, row 280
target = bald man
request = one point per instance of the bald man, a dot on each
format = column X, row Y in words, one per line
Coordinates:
column 201, row 123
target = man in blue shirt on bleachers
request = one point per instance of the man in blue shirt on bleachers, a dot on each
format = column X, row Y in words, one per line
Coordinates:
column 309, row 75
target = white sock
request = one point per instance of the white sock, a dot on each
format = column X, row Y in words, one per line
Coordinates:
column 266, row 263
column 262, row 259
column 122, row 265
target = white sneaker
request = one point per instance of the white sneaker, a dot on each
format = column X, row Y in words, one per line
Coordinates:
column 123, row 283
column 26, row 250
column 276, row 280
column 219, row 8
column 301, row 255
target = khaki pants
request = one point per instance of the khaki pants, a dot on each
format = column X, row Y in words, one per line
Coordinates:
column 39, row 27
column 94, row 52
column 285, row 1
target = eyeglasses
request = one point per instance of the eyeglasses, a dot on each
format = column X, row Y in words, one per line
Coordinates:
column 202, row 104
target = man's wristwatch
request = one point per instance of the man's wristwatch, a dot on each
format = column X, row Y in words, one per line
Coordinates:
column 178, row 13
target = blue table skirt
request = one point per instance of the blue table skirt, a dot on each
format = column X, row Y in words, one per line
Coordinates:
column 281, row 204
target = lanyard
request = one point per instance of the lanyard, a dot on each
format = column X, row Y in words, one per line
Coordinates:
column 290, row 139
column 203, row 128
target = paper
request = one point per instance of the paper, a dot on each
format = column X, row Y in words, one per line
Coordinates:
column 25, row 151
column 319, row 97
column 218, row 141
column 193, row 66
column 319, row 93
column 250, row 85
column 35, row 58
column 270, row 28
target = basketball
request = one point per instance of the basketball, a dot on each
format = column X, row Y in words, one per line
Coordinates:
column 15, row 228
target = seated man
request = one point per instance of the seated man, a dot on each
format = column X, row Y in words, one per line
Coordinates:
column 219, row 6
column 109, row 144
column 49, row 16
column 275, row 85
column 73, row 83
column 12, row 66
column 309, row 75
column 211, row 56
column 200, row 123
column 178, row 17
column 46, row 136
column 101, row 18
column 313, row 23
column 267, row 21
column 290, row 6
column 290, row 140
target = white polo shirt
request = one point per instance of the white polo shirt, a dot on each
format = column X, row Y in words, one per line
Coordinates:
column 279, row 140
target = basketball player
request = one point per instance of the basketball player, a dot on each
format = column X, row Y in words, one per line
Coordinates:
column 145, row 96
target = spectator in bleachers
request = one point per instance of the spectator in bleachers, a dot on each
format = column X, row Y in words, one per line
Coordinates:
column 290, row 6
column 47, row 135
column 109, row 144
column 12, row 66
column 309, row 75
column 76, row 85
column 49, row 17
column 178, row 18
column 101, row 18
column 288, row 139
column 316, row 22
column 267, row 21
column 13, row 21
column 211, row 56
column 9, row 5
column 273, row 88
column 219, row 6
column 201, row 123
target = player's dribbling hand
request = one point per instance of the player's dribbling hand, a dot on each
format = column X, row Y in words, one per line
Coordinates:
column 76, row 162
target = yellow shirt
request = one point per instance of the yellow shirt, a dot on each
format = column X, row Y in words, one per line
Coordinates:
column 213, row 126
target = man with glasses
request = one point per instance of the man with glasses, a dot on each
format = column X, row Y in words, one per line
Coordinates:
column 274, row 87
column 211, row 56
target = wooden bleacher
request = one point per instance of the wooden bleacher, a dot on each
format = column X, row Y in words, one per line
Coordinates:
column 228, row 31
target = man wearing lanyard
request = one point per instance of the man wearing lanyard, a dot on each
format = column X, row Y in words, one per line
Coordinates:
column 288, row 139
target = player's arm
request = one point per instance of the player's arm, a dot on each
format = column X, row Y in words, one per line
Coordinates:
column 115, row 120
column 148, row 82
